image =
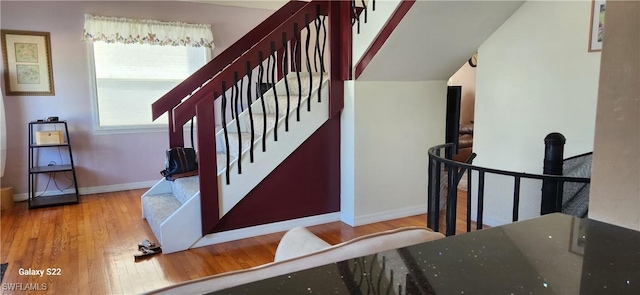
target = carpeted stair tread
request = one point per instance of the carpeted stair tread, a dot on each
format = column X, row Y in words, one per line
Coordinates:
column 186, row 187
column 270, row 104
column 292, row 80
column 233, row 142
column 157, row 209
column 258, row 123
column 221, row 160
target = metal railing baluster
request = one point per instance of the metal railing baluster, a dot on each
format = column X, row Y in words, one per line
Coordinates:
column 225, row 131
column 275, row 93
column 452, row 200
column 438, row 177
column 236, row 97
column 432, row 211
column 364, row 6
column 480, row 200
column 316, row 50
column 264, row 110
column 296, row 52
column 516, row 197
column 322, row 69
column 306, row 20
column 469, row 200
column 285, row 60
column 249, row 76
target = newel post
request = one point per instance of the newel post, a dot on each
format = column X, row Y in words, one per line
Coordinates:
column 340, row 42
column 553, row 157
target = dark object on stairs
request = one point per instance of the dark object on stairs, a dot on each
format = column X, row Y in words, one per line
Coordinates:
column 180, row 162
column 3, row 268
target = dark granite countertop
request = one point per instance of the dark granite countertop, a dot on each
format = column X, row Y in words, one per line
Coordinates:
column 553, row 254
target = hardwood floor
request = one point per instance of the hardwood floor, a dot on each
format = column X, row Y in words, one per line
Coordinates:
column 92, row 245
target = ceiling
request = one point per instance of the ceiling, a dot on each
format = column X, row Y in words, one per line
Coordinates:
column 261, row 4
column 436, row 38
column 433, row 40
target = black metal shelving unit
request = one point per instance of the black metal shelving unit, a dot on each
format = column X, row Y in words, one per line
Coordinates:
column 50, row 200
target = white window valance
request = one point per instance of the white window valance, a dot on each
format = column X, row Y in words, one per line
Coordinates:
column 144, row 31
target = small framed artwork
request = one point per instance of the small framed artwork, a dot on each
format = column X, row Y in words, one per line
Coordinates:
column 596, row 32
column 27, row 63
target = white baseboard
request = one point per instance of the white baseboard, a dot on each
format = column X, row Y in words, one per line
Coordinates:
column 488, row 220
column 392, row 214
column 264, row 229
column 92, row 190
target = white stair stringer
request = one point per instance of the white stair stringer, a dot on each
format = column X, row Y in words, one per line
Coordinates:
column 182, row 228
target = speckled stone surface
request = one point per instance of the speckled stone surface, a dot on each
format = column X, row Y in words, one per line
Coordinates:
column 553, row 254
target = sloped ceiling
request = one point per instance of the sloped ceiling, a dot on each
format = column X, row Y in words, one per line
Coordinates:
column 261, row 4
column 436, row 38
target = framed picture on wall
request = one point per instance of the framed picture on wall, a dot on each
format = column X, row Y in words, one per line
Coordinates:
column 596, row 32
column 27, row 62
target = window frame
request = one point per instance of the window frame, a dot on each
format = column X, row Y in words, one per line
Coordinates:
column 127, row 129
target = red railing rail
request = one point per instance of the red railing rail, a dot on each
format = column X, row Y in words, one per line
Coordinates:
column 186, row 110
column 173, row 98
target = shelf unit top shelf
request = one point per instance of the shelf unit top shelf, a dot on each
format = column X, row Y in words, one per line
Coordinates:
column 35, row 145
column 55, row 168
column 47, row 122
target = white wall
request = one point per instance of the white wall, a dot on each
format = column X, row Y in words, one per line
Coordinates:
column 534, row 77
column 103, row 161
column 388, row 128
column 368, row 31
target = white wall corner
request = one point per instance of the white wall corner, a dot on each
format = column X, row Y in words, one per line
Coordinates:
column 347, row 155
column 395, row 124
column 391, row 214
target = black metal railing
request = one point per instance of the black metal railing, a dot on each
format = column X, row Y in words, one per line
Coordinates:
column 242, row 103
column 373, row 275
column 454, row 172
column 359, row 8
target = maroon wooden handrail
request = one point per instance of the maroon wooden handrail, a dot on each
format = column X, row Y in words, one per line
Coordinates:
column 186, row 110
column 172, row 98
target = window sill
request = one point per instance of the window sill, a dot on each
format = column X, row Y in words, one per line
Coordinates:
column 128, row 130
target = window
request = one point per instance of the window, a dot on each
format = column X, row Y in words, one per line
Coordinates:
column 130, row 77
column 136, row 61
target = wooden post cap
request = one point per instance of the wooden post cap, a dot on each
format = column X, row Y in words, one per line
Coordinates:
column 7, row 198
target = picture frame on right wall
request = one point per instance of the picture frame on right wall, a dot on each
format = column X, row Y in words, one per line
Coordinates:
column 596, row 32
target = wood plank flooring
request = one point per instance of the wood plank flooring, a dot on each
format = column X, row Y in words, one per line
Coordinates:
column 92, row 245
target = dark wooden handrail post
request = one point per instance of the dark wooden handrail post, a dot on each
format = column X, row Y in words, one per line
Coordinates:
column 176, row 136
column 207, row 170
column 341, row 49
column 553, row 157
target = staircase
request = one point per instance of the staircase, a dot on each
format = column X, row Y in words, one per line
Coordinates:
column 575, row 195
column 172, row 208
